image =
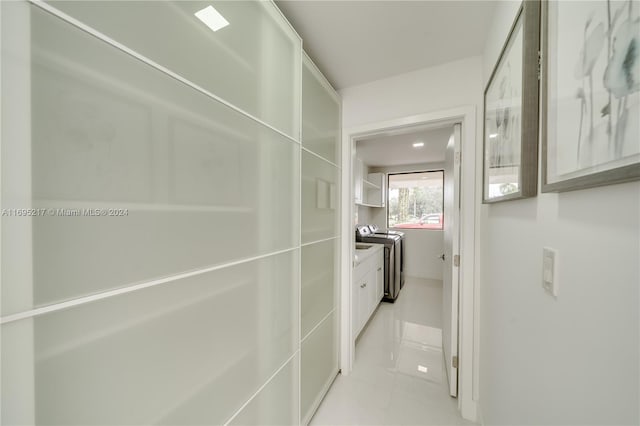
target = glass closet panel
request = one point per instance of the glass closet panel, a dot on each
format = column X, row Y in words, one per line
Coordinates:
column 253, row 62
column 175, row 173
column 187, row 352
column 320, row 114
column 320, row 239
column 150, row 256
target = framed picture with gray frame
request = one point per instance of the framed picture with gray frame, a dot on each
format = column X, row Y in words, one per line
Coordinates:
column 590, row 93
column 511, row 113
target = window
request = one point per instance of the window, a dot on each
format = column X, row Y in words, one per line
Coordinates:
column 415, row 200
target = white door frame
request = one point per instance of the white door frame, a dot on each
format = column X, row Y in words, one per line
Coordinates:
column 469, row 187
column 450, row 278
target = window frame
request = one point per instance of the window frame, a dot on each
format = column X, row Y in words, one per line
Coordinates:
column 389, row 174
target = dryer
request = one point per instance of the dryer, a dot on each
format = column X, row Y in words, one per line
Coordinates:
column 392, row 259
column 376, row 230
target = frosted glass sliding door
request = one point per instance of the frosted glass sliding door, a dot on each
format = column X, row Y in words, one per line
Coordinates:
column 273, row 405
column 320, row 271
column 182, row 353
column 320, row 198
column 320, row 114
column 320, row 239
column 252, row 63
column 150, row 228
column 319, row 365
column 181, row 173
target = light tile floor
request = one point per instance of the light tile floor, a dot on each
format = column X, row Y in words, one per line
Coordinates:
column 398, row 376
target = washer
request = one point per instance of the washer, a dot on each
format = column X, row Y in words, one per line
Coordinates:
column 375, row 230
column 392, row 259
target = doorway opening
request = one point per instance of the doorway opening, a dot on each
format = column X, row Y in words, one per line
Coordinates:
column 465, row 360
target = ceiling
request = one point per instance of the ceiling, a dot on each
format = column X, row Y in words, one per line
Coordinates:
column 355, row 42
column 397, row 149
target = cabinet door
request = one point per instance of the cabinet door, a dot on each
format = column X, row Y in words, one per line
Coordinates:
column 377, row 195
column 363, row 301
column 359, row 277
column 371, row 288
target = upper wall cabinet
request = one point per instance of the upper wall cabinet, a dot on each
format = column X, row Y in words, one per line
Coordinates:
column 369, row 188
column 320, row 114
column 253, row 62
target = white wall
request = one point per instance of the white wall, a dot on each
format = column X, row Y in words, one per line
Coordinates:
column 422, row 250
column 437, row 88
column 422, row 246
column 574, row 360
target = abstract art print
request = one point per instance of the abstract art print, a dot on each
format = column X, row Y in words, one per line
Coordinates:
column 591, row 93
column 511, row 113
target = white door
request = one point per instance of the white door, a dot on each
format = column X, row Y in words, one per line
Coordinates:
column 451, row 252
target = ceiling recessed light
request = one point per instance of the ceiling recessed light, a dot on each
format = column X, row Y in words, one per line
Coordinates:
column 422, row 369
column 493, row 135
column 211, row 18
column 418, row 144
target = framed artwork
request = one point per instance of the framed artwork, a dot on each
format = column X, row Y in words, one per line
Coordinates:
column 511, row 113
column 590, row 93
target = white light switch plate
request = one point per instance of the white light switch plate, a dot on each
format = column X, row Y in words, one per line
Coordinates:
column 550, row 270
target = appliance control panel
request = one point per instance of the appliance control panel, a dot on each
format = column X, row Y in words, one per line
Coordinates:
column 363, row 231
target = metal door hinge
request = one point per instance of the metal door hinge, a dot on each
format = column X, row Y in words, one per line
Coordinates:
column 539, row 65
column 454, row 362
column 456, row 260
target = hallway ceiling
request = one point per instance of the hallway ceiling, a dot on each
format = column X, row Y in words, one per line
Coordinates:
column 397, row 149
column 355, row 42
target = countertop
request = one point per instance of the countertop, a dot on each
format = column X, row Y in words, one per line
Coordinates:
column 362, row 254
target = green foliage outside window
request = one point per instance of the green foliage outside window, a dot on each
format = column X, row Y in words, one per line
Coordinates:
column 415, row 200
